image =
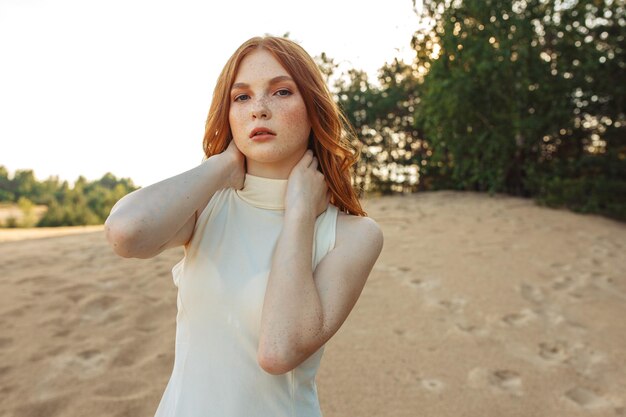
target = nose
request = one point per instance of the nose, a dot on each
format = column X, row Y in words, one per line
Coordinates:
column 260, row 110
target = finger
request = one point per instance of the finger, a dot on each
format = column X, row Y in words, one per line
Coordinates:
column 306, row 158
column 314, row 163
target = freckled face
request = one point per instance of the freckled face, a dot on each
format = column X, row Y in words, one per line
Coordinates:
column 264, row 95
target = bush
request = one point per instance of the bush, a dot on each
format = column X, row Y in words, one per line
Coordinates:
column 585, row 195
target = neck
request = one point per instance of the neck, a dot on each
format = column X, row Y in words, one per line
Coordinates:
column 268, row 170
column 262, row 192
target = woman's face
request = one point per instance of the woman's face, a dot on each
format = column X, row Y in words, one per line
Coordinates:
column 264, row 99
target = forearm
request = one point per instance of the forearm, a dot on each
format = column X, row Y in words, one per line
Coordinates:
column 292, row 309
column 148, row 217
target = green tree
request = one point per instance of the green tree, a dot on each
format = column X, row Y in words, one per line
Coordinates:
column 6, row 193
column 87, row 202
column 383, row 116
column 526, row 97
column 28, row 215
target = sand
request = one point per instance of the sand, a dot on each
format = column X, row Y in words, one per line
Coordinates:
column 10, row 235
column 478, row 306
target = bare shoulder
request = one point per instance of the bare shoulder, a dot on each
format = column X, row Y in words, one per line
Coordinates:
column 359, row 231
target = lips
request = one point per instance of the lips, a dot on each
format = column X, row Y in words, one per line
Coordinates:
column 258, row 131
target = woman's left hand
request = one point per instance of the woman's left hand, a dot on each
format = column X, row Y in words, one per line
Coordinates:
column 306, row 187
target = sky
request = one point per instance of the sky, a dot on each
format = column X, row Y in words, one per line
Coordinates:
column 124, row 86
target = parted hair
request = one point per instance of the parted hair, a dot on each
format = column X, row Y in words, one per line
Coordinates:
column 332, row 135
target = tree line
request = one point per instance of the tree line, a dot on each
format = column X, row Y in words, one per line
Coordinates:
column 519, row 97
column 87, row 202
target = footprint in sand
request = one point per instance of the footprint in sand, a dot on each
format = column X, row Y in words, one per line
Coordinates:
column 76, row 297
column 7, row 389
column 608, row 284
column 579, row 356
column 62, row 333
column 519, row 319
column 563, row 283
column 396, row 271
column 146, row 321
column 89, row 353
column 165, row 273
column 41, row 355
column 506, row 380
column 432, row 384
column 576, row 326
column 561, row 266
column 5, row 341
column 557, row 351
column 399, row 332
column 531, row 293
column 131, row 352
column 84, row 365
column 123, row 389
column 550, row 315
column 575, row 295
column 586, row 398
column 454, row 305
column 16, row 312
column 423, row 284
column 499, row 380
column 593, row 261
column 96, row 307
column 471, row 329
column 77, row 292
column 585, row 359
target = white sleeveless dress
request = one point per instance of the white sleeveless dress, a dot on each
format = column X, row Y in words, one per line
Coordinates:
column 221, row 287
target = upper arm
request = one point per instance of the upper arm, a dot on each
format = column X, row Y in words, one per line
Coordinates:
column 341, row 275
column 125, row 242
column 184, row 234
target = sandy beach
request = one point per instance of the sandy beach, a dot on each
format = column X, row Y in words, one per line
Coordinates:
column 478, row 306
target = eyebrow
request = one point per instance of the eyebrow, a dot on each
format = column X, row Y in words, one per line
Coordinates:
column 271, row 82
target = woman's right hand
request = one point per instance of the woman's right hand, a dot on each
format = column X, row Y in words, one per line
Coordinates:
column 235, row 161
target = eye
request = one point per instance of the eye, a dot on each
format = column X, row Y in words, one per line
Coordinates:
column 241, row 97
column 284, row 92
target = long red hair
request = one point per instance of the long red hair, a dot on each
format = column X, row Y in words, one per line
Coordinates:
column 331, row 134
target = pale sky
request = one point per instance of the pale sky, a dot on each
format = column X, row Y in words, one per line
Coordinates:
column 124, row 86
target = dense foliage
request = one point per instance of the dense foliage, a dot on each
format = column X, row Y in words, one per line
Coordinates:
column 84, row 203
column 523, row 97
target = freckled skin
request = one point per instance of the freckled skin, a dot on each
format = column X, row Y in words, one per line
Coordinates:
column 278, row 107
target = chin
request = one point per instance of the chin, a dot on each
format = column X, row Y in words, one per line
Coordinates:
column 271, row 154
column 265, row 158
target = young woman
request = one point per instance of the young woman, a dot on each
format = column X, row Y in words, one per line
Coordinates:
column 277, row 246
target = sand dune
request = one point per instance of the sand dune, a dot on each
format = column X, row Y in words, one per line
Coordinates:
column 478, row 306
column 10, row 235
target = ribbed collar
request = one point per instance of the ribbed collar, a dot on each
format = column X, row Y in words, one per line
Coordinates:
column 266, row 193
